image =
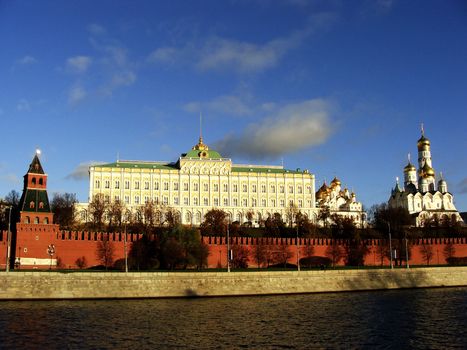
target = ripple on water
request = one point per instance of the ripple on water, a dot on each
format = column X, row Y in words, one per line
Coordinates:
column 416, row 319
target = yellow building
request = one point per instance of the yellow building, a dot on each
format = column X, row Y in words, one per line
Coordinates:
column 201, row 180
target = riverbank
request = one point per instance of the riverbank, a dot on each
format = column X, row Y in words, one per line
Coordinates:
column 114, row 285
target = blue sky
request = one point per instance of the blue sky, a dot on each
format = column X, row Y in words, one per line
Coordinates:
column 336, row 87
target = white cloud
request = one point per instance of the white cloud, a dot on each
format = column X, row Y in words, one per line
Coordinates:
column 81, row 172
column 76, row 94
column 118, row 80
column 78, row 64
column 27, row 60
column 163, row 54
column 294, row 127
column 96, row 29
column 23, row 105
column 226, row 104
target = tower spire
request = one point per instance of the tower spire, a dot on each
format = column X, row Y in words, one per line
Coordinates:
column 408, row 157
column 422, row 129
column 200, row 127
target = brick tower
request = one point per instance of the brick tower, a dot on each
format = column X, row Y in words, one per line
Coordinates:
column 34, row 204
column 36, row 233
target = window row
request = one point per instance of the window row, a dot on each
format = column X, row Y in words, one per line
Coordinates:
column 195, row 187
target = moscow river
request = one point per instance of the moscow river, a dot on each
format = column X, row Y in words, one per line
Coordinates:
column 400, row 319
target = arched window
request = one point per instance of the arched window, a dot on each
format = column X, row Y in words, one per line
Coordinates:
column 46, row 221
column 36, row 220
column 33, row 180
column 27, row 220
column 41, row 182
column 31, row 205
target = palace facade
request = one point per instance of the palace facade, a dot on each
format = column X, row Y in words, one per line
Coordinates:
column 424, row 198
column 201, row 180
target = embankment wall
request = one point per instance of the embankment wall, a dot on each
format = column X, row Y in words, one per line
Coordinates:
column 88, row 285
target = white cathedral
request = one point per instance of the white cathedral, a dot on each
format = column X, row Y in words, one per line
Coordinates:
column 422, row 197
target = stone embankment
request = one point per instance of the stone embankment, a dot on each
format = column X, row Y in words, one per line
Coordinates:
column 103, row 285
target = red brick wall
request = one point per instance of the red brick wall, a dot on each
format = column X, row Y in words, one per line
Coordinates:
column 69, row 246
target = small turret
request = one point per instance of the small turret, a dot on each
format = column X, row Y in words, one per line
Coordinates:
column 442, row 184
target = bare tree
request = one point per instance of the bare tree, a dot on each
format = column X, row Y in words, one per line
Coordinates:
column 97, row 209
column 259, row 253
column 283, row 254
column 334, row 252
column 291, row 214
column 427, row 252
column 105, row 252
column 115, row 211
column 81, row 262
column 62, row 206
column 449, row 251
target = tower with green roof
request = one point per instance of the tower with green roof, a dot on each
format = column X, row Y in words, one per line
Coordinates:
column 34, row 205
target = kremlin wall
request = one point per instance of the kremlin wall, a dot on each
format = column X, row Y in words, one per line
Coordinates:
column 33, row 241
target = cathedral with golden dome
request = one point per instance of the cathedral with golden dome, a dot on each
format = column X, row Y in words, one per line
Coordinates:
column 424, row 199
column 340, row 201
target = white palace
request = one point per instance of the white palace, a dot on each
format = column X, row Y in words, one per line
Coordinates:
column 421, row 196
column 201, row 180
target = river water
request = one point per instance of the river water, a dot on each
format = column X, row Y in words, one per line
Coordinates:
column 401, row 319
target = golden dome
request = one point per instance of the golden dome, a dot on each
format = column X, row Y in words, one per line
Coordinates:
column 335, row 182
column 423, row 141
column 409, row 167
column 200, row 146
column 427, row 171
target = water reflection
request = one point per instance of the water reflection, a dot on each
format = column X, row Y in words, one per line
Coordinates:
column 428, row 318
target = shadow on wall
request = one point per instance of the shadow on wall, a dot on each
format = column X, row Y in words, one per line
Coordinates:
column 388, row 279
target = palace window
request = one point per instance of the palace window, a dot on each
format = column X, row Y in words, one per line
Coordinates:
column 226, row 187
column 127, row 199
column 185, row 201
column 282, row 203
column 282, row 189
column 195, row 201
column 308, row 188
column 107, row 198
column 146, row 185
column 176, row 201
column 300, row 203
column 156, row 186
column 290, row 189
column 263, row 202
column 216, row 202
column 195, row 187
column 273, row 189
column 226, row 202
column 165, row 200
column 97, row 184
column 117, row 198
column 273, row 202
column 136, row 199
column 253, row 202
column 117, row 184
column 156, row 200
column 299, row 189
column 263, row 188
column 235, row 202
column 291, row 203
column 136, row 185
column 235, row 187
column 127, row 185
column 253, row 188
column 185, row 186
column 245, row 188
column 146, row 199
column 175, row 186
column 245, row 202
column 206, row 201
column 205, row 187
column 166, row 186
column 216, row 187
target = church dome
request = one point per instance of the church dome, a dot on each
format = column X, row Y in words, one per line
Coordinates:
column 335, row 182
column 427, row 171
column 423, row 141
column 409, row 167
